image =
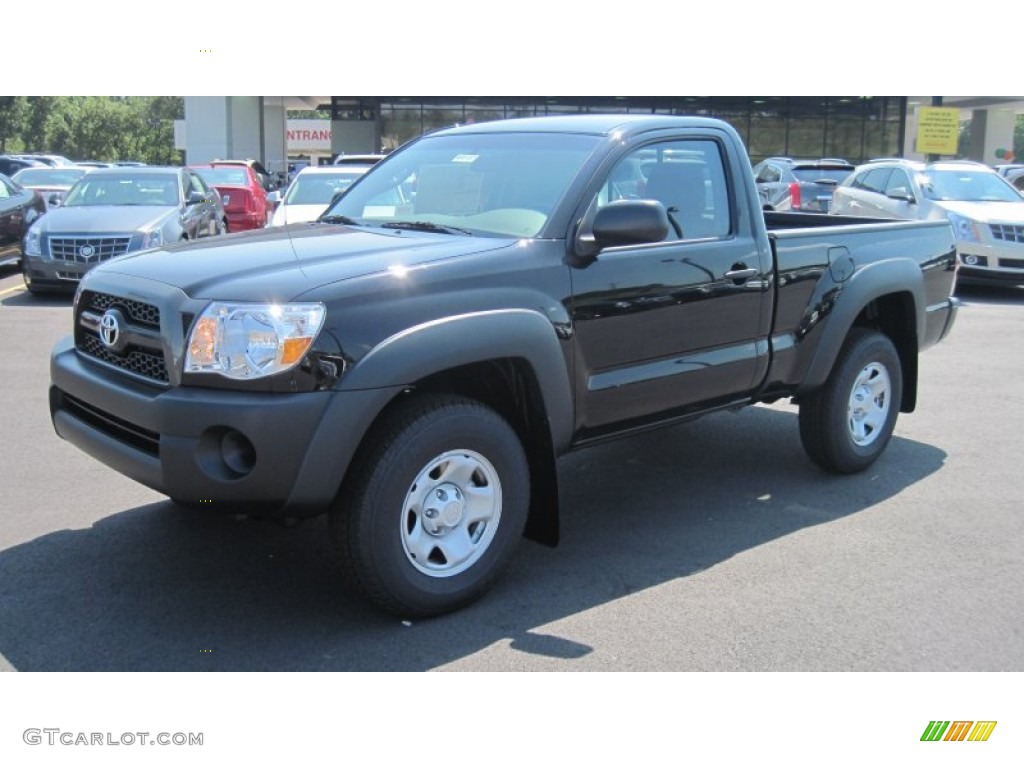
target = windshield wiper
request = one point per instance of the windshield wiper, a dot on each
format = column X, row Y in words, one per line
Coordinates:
column 424, row 226
column 336, row 218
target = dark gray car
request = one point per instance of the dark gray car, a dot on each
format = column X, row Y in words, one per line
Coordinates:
column 113, row 211
column 784, row 184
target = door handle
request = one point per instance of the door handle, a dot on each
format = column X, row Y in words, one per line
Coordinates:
column 741, row 274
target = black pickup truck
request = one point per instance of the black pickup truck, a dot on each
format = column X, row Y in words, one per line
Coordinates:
column 483, row 301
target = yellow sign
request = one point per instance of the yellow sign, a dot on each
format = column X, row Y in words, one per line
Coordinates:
column 938, row 130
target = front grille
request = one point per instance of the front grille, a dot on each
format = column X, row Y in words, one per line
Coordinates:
column 1010, row 233
column 88, row 250
column 139, row 362
column 1012, row 263
column 143, row 439
column 144, row 359
column 137, row 311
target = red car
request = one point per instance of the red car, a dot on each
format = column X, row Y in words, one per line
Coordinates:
column 245, row 200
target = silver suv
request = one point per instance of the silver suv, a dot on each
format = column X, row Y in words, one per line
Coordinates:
column 986, row 212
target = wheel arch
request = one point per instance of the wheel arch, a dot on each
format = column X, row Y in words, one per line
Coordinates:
column 510, row 360
column 889, row 297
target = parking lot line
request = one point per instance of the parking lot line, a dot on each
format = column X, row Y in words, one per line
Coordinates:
column 12, row 290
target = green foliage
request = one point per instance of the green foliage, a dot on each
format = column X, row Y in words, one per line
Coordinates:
column 93, row 127
column 12, row 109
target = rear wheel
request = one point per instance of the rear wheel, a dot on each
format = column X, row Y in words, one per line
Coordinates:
column 434, row 506
column 847, row 424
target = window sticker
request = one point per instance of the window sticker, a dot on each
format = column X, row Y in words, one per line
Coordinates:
column 465, row 158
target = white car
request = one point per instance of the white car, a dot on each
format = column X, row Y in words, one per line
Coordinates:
column 987, row 213
column 312, row 190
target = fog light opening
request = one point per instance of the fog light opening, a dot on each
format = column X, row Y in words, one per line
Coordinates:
column 237, row 453
column 971, row 260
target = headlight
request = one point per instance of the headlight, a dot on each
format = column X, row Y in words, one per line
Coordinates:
column 250, row 341
column 964, row 228
column 152, row 239
column 33, row 241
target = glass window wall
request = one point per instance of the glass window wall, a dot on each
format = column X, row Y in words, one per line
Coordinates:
column 852, row 127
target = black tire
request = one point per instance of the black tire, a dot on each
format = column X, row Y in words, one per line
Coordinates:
column 432, row 462
column 845, row 425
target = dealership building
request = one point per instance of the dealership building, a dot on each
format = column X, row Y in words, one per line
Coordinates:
column 856, row 128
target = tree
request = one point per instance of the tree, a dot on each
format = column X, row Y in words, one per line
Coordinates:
column 11, row 109
column 38, row 110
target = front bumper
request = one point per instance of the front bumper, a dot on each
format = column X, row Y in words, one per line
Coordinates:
column 46, row 273
column 265, row 452
column 994, row 264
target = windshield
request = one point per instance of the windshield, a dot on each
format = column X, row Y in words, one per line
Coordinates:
column 490, row 183
column 228, row 177
column 49, row 177
column 319, row 188
column 148, row 189
column 974, row 186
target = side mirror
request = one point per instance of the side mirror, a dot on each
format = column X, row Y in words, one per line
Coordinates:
column 195, row 198
column 630, row 222
column 54, row 199
column 275, row 197
column 901, row 193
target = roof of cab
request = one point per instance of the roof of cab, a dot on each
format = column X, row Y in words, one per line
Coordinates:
column 597, row 124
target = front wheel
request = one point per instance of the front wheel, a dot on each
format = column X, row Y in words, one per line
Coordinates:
column 847, row 424
column 433, row 507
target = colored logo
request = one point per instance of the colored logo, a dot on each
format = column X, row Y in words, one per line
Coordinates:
column 959, row 730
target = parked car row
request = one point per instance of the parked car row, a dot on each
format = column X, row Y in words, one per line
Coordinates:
column 984, row 205
column 985, row 209
column 785, row 184
column 114, row 211
column 313, row 189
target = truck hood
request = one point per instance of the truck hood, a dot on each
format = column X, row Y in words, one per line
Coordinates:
column 1006, row 212
column 89, row 219
column 281, row 263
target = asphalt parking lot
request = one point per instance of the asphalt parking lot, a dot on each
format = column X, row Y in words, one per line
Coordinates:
column 712, row 546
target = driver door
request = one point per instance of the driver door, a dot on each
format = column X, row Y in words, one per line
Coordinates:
column 670, row 327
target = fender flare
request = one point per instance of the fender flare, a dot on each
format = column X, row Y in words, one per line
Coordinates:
column 475, row 337
column 868, row 284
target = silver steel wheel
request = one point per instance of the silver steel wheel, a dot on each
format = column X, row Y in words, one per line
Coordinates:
column 870, row 401
column 451, row 513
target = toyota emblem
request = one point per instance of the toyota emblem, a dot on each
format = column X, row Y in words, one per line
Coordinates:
column 110, row 329
column 86, row 251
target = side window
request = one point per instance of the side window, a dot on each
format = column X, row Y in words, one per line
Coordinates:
column 875, row 180
column 197, row 185
column 184, row 186
column 898, row 183
column 686, row 176
column 5, row 189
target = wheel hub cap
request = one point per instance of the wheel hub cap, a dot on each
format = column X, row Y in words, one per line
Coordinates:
column 451, row 513
column 869, row 404
column 444, row 509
